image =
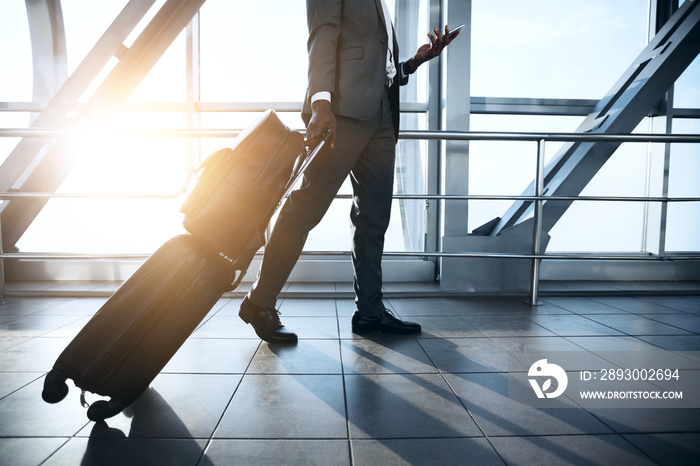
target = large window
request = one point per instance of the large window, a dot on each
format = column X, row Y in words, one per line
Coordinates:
column 238, row 57
column 247, row 53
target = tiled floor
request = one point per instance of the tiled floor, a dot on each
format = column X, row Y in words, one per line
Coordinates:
column 440, row 398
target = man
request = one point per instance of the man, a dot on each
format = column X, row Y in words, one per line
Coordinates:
column 354, row 77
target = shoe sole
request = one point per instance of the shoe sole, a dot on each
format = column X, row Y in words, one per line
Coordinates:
column 372, row 330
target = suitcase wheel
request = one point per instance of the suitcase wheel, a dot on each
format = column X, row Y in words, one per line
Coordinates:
column 101, row 410
column 55, row 388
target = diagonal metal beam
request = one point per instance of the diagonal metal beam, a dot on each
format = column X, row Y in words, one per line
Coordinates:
column 53, row 163
column 66, row 98
column 642, row 86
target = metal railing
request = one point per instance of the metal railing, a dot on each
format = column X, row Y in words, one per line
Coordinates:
column 538, row 198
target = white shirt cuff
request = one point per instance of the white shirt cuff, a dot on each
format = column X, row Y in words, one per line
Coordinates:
column 322, row 95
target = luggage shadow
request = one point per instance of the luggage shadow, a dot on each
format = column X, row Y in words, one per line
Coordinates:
column 156, row 435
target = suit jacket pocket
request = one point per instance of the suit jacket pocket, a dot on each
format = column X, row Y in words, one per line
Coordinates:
column 352, row 53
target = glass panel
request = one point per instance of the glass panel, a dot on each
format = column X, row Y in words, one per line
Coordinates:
column 85, row 22
column 15, row 53
column 251, row 55
column 683, row 222
column 166, row 81
column 608, row 226
column 554, row 49
column 119, row 166
column 507, row 167
column 686, row 92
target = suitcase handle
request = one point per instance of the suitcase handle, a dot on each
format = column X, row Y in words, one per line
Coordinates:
column 305, row 159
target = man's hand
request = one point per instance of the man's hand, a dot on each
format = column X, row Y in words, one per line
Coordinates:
column 322, row 118
column 429, row 51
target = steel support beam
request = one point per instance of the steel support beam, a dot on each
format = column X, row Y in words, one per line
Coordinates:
column 48, row 39
column 639, row 89
column 43, row 169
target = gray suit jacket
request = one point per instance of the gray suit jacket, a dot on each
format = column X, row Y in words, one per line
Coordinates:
column 347, row 57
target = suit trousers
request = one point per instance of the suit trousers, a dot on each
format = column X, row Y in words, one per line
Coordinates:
column 365, row 150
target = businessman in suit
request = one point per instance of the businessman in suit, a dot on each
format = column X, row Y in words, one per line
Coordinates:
column 353, row 90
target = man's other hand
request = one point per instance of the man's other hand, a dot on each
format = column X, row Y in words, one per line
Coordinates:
column 437, row 43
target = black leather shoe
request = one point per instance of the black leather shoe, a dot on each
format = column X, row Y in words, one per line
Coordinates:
column 385, row 323
column 266, row 322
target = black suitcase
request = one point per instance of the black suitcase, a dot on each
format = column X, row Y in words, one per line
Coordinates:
column 135, row 333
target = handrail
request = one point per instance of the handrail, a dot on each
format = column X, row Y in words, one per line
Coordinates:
column 538, row 198
column 418, row 134
column 413, row 197
column 498, row 255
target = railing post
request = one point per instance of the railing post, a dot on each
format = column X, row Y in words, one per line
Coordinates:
column 537, row 233
column 2, row 269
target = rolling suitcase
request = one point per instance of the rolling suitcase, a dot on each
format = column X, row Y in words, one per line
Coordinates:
column 137, row 331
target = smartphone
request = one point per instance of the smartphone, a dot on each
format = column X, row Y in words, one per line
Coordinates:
column 454, row 31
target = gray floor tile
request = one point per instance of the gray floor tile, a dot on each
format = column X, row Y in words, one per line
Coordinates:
column 669, row 449
column 13, row 381
column 28, row 451
column 573, row 325
column 345, row 308
column 70, row 330
column 508, row 326
column 7, row 343
column 286, row 407
column 385, row 355
column 656, row 420
column 467, row 355
column 25, row 306
column 429, row 452
column 213, row 356
column 420, row 307
column 35, row 355
column 483, row 307
column 25, row 414
column 637, row 325
column 307, row 308
column 445, row 327
column 486, row 398
column 118, row 450
column 175, row 406
column 277, row 452
column 569, row 450
column 689, row 322
column 612, row 343
column 35, row 325
column 225, row 327
column 635, row 305
column 306, row 357
column 556, row 349
column 405, row 405
column 583, row 306
column 674, row 342
column 229, row 307
column 679, row 303
column 313, row 327
column 79, row 307
column 521, row 306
